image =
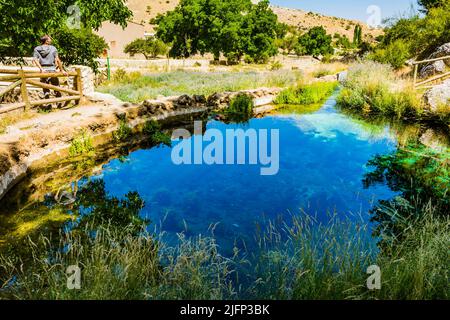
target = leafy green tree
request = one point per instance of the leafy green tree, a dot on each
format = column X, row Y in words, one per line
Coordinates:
column 260, row 30
column 233, row 28
column 196, row 26
column 344, row 42
column 429, row 4
column 23, row 22
column 422, row 35
column 315, row 42
column 150, row 47
column 79, row 46
column 288, row 43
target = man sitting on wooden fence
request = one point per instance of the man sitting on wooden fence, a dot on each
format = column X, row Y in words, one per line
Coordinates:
column 47, row 60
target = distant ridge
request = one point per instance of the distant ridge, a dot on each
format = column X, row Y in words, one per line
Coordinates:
column 295, row 17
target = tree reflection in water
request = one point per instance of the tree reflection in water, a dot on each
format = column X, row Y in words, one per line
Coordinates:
column 422, row 177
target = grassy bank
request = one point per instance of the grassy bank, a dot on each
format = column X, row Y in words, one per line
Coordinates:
column 306, row 94
column 136, row 87
column 298, row 259
column 373, row 89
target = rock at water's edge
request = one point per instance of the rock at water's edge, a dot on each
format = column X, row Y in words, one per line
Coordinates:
column 438, row 96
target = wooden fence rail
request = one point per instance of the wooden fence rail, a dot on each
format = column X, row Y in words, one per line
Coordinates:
column 435, row 79
column 19, row 77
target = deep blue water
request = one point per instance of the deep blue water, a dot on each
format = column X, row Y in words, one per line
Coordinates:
column 323, row 158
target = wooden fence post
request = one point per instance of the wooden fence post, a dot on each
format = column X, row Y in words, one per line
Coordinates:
column 79, row 84
column 23, row 90
column 416, row 68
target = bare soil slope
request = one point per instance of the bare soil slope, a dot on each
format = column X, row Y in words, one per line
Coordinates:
column 302, row 19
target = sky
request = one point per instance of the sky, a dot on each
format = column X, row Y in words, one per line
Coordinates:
column 353, row 9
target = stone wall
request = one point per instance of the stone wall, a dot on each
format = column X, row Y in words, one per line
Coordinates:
column 134, row 64
column 261, row 97
column 87, row 78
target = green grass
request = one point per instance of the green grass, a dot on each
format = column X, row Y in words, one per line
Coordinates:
column 302, row 259
column 307, row 94
column 81, row 144
column 372, row 88
column 240, row 109
column 322, row 73
column 123, row 132
column 116, row 264
column 330, row 262
column 135, row 87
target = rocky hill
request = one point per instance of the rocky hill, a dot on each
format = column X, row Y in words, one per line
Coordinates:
column 144, row 10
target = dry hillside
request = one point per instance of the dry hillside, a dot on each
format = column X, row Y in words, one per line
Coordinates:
column 304, row 20
column 144, row 10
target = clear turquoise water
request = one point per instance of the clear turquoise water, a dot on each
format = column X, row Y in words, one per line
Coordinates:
column 323, row 158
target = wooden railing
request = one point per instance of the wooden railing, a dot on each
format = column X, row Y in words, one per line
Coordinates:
column 25, row 79
column 425, row 84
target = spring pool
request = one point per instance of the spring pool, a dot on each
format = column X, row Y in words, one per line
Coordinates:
column 323, row 157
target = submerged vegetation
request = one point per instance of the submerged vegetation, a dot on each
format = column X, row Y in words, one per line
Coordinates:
column 152, row 129
column 307, row 94
column 421, row 175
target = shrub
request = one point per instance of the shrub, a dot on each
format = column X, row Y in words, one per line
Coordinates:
column 322, row 72
column 81, row 144
column 276, row 65
column 241, row 104
column 120, row 75
column 395, row 54
column 240, row 109
column 343, row 41
column 423, row 34
column 123, row 132
column 79, row 46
